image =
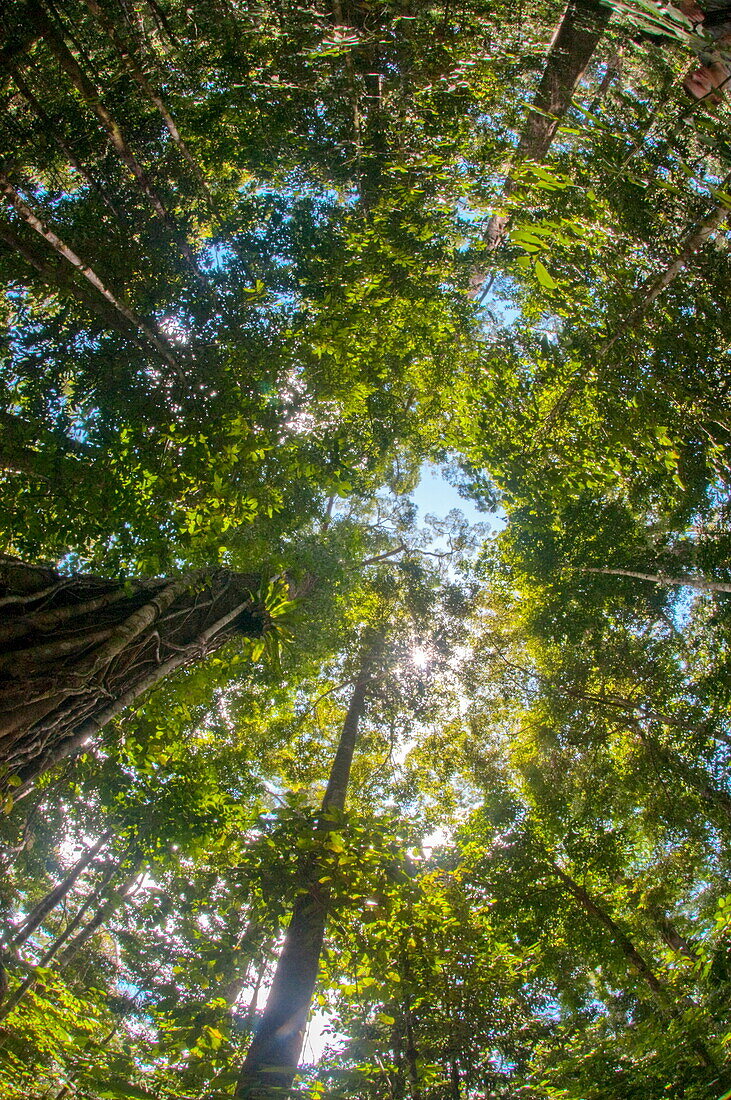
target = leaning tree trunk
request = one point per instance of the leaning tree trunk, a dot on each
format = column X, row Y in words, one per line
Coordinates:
column 54, row 897
column 663, row 997
column 273, row 1056
column 77, row 650
column 578, row 34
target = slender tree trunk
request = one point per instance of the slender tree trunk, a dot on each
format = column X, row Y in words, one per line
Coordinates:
column 273, row 1056
column 133, row 68
column 577, row 36
column 102, row 915
column 76, row 650
column 694, row 777
column 412, row 1055
column 52, row 276
column 692, row 243
column 628, row 949
column 455, row 1085
column 90, row 95
column 52, row 131
column 93, row 899
column 39, row 913
column 62, row 249
column 701, row 584
column 634, row 957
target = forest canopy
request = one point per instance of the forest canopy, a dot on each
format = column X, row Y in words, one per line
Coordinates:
column 309, row 788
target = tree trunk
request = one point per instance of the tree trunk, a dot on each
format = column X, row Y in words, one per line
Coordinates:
column 102, row 915
column 701, row 584
column 39, row 913
column 578, row 34
column 693, row 241
column 455, row 1087
column 133, row 68
column 636, row 960
column 62, row 249
column 52, row 131
column 89, row 94
column 412, row 1055
column 53, row 276
column 76, row 650
column 272, row 1059
column 28, row 982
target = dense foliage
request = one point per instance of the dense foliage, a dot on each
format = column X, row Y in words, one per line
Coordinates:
column 269, row 739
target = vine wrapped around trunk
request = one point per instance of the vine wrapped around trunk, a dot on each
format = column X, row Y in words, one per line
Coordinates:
column 75, row 650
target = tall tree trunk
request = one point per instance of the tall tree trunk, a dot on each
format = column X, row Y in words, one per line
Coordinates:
column 101, row 916
column 59, row 246
column 634, row 957
column 135, row 71
column 701, row 584
column 53, row 276
column 46, row 905
column 273, row 1056
column 54, row 40
column 74, row 651
column 52, row 131
column 412, row 1054
column 577, row 36
column 455, row 1086
column 50, row 953
column 694, row 239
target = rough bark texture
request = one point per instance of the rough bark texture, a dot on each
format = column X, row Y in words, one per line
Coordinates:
column 76, row 650
column 274, row 1054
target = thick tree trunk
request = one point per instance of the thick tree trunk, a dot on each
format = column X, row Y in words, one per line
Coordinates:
column 74, row 651
column 273, row 1056
column 578, row 34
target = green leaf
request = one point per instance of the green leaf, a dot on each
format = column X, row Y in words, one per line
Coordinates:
column 544, row 277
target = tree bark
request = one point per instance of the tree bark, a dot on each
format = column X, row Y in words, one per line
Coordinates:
column 576, row 38
column 693, row 241
column 52, row 132
column 634, row 957
column 69, row 255
column 39, row 913
column 135, row 71
column 85, row 88
column 701, row 584
column 29, row 981
column 74, row 651
column 273, row 1056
